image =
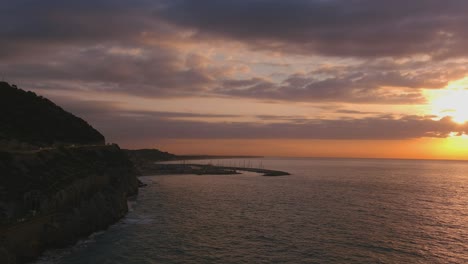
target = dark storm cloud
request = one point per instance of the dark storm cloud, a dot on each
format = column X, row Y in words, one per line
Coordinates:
column 30, row 28
column 69, row 44
column 358, row 28
column 149, row 72
column 67, row 20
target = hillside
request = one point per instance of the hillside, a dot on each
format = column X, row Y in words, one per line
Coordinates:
column 53, row 197
column 69, row 188
column 28, row 118
column 143, row 155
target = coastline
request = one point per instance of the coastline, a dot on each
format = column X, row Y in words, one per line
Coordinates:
column 70, row 193
column 155, row 168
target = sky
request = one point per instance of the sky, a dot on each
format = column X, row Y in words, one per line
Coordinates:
column 299, row 78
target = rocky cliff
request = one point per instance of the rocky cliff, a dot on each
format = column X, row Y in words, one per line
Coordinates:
column 58, row 180
column 51, row 198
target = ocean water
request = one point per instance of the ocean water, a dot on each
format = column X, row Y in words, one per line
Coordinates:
column 327, row 211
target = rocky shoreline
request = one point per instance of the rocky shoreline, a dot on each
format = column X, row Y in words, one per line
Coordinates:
column 54, row 197
column 60, row 182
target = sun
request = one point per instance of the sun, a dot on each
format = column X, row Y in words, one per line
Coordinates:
column 452, row 101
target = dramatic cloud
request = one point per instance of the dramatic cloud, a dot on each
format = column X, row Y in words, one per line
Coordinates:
column 153, row 72
column 381, row 82
column 357, row 28
column 141, row 47
column 372, row 62
column 367, row 28
column 309, row 89
column 30, row 26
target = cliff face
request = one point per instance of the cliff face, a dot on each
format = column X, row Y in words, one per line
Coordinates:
column 31, row 119
column 51, row 198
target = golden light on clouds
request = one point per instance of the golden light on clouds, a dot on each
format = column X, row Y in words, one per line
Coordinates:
column 451, row 101
column 180, row 75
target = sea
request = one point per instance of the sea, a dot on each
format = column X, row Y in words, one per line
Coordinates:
column 326, row 211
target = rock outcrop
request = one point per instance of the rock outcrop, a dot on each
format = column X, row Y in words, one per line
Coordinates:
column 58, row 180
column 51, row 198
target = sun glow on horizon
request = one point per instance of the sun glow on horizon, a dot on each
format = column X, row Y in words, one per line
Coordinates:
column 451, row 101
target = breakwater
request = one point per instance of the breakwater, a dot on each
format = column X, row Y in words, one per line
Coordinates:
column 154, row 168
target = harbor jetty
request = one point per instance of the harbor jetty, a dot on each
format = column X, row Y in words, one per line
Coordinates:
column 202, row 169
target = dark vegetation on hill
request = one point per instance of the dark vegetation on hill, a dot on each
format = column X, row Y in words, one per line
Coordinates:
column 53, row 197
column 153, row 155
column 47, row 171
column 141, row 155
column 144, row 159
column 28, row 118
column 59, row 182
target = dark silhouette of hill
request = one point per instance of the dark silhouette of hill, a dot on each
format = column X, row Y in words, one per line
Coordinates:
column 59, row 182
column 144, row 158
column 149, row 155
column 28, row 118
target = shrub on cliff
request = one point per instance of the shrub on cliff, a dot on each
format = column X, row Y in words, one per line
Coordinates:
column 27, row 117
